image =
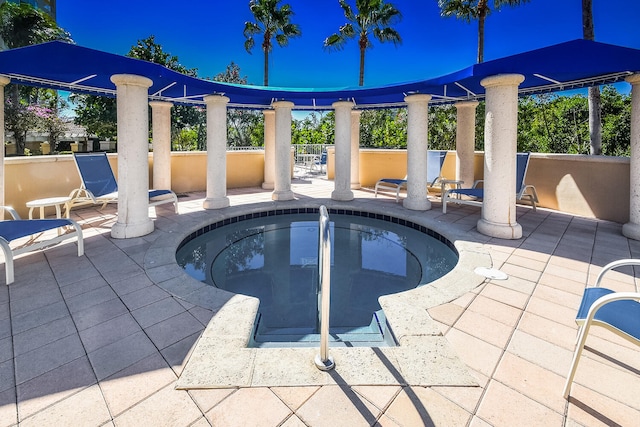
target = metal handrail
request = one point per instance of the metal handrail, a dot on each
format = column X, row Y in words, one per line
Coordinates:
column 323, row 360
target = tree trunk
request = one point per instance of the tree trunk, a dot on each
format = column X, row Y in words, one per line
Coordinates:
column 482, row 15
column 361, row 79
column 587, row 20
column 595, row 121
column 266, row 68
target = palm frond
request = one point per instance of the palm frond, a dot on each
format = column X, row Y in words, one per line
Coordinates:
column 387, row 34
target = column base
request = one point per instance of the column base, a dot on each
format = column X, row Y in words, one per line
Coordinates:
column 282, row 195
column 501, row 231
column 631, row 230
column 356, row 186
column 343, row 196
column 268, row 186
column 217, row 203
column 417, row 204
column 126, row 231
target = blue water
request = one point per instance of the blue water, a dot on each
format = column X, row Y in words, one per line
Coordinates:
column 275, row 259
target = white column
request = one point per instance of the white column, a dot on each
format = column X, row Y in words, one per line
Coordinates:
column 3, row 82
column 500, row 147
column 465, row 142
column 132, row 94
column 269, row 149
column 417, row 146
column 216, row 152
column 355, row 149
column 282, row 182
column 161, row 128
column 342, row 180
column 632, row 228
column 342, row 176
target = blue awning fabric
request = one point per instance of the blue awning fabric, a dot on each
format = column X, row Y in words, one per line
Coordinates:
column 64, row 66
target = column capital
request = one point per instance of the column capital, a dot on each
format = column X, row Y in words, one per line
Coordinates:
column 342, row 104
column 161, row 104
column 356, row 113
column 131, row 80
column 215, row 99
column 417, row 97
column 269, row 112
column 502, row 80
column 633, row 79
column 466, row 104
column 282, row 104
column 4, row 80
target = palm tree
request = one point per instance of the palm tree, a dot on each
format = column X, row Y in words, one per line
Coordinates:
column 469, row 10
column 273, row 23
column 372, row 17
column 595, row 119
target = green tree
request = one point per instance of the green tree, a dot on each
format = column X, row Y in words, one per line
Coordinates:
column 442, row 127
column 98, row 113
column 384, row 128
column 23, row 25
column 471, row 10
column 372, row 17
column 272, row 22
column 315, row 128
column 245, row 127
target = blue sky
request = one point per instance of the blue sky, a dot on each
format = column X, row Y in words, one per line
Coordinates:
column 207, row 35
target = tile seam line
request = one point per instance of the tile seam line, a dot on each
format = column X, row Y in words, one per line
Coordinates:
column 504, row 350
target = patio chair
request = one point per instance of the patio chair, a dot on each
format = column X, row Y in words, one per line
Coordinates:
column 435, row 160
column 524, row 191
column 618, row 312
column 17, row 228
column 99, row 185
column 320, row 162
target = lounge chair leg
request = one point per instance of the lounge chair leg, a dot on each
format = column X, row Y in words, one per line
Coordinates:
column 576, row 357
column 8, row 262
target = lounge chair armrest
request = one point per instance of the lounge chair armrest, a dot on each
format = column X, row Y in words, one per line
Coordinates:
column 11, row 211
column 476, row 182
column 613, row 265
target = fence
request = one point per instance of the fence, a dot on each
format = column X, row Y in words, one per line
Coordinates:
column 304, row 152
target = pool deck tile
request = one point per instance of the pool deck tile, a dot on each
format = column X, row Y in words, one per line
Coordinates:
column 108, row 338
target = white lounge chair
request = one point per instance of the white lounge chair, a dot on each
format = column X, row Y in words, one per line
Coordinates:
column 435, row 160
column 17, row 228
column 618, row 312
column 474, row 195
column 99, row 184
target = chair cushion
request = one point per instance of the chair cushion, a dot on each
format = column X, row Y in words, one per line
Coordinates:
column 472, row 192
column 156, row 193
column 623, row 315
column 14, row 229
column 394, row 181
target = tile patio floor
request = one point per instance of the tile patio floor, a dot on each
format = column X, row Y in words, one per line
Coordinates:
column 92, row 341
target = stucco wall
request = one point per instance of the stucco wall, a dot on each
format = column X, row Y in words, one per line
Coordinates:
column 38, row 177
column 591, row 186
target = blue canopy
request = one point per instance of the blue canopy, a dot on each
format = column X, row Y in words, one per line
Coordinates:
column 74, row 68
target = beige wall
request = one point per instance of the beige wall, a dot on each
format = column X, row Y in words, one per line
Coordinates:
column 591, row 186
column 189, row 170
column 39, row 177
column 376, row 164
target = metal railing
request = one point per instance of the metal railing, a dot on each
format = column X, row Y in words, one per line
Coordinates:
column 323, row 360
column 303, row 152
